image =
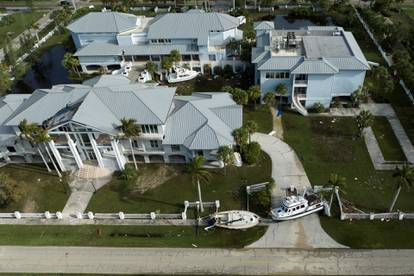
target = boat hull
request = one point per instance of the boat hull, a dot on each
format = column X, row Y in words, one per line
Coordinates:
column 175, row 80
column 296, row 216
column 240, row 220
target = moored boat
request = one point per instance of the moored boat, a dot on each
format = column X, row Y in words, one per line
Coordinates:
column 180, row 74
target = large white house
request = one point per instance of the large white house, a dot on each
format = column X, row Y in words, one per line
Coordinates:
column 84, row 123
column 109, row 39
column 316, row 64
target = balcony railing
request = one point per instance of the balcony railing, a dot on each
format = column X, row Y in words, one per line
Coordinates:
column 301, row 81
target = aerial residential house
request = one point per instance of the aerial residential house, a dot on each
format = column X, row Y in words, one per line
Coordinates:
column 316, row 64
column 109, row 39
column 84, row 122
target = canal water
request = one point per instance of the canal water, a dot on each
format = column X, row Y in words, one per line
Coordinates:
column 282, row 22
column 48, row 71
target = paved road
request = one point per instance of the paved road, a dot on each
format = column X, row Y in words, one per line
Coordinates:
column 287, row 171
column 205, row 261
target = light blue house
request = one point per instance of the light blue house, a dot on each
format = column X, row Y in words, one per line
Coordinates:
column 316, row 63
column 109, row 39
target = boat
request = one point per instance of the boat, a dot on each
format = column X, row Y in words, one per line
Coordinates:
column 180, row 74
column 144, row 76
column 234, row 219
column 297, row 206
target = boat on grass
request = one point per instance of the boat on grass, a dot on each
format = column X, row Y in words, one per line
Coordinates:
column 180, row 74
column 234, row 219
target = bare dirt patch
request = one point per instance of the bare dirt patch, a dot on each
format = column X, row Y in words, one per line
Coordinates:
column 150, row 178
column 29, row 206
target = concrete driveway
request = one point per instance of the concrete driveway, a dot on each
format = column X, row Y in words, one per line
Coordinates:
column 288, row 171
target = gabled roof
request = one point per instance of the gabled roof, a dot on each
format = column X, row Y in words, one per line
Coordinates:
column 214, row 116
column 320, row 66
column 264, row 25
column 280, row 63
column 103, row 22
column 99, row 49
column 191, row 25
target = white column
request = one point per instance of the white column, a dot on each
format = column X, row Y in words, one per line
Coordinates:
column 97, row 152
column 74, row 151
column 118, row 157
column 57, row 156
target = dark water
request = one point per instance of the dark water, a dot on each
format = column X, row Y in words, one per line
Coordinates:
column 46, row 72
column 282, row 22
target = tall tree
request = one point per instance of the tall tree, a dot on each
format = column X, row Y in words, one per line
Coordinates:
column 130, row 129
column 42, row 138
column 241, row 136
column 151, row 67
column 269, row 99
column 166, row 63
column 5, row 81
column 254, row 94
column 240, row 96
column 251, row 127
column 175, row 56
column 226, row 154
column 405, row 179
column 198, row 172
column 281, row 90
column 71, row 63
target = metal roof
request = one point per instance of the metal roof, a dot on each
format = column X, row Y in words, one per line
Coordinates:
column 280, row 63
column 103, row 22
column 326, row 46
column 214, row 116
column 191, row 25
column 99, row 49
column 320, row 66
column 264, row 25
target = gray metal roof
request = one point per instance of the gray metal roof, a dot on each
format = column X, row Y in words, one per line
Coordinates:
column 99, row 107
column 214, row 116
column 9, row 103
column 103, row 22
column 191, row 25
column 264, row 25
column 326, row 46
column 320, row 66
column 280, row 63
column 108, row 49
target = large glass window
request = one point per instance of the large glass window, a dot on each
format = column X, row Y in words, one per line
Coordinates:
column 277, row 75
column 149, row 128
column 154, row 143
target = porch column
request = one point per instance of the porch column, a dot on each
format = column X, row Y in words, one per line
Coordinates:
column 57, row 156
column 74, row 151
column 119, row 159
column 97, row 152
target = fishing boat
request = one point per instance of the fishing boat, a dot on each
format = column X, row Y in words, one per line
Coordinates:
column 144, row 76
column 235, row 219
column 180, row 74
column 297, row 206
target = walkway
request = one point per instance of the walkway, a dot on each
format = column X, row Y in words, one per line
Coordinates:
column 87, row 181
column 99, row 260
column 287, row 171
column 387, row 111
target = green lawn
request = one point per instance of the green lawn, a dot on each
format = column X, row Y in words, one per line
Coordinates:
column 409, row 10
column 169, row 196
column 387, row 141
column 261, row 116
column 22, row 21
column 127, row 236
column 326, row 147
column 43, row 191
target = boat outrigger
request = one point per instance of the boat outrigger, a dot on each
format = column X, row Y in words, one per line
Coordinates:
column 235, row 219
column 297, row 206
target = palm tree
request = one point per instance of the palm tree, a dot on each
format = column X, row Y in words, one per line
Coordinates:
column 251, row 127
column 336, row 180
column 151, row 68
column 197, row 172
column 27, row 132
column 226, row 154
column 254, row 94
column 241, row 136
column 130, row 129
column 364, row 119
column 405, row 179
column 71, row 63
column 41, row 137
column 269, row 99
column 281, row 89
column 175, row 56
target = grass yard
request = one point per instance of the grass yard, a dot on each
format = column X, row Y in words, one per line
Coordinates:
column 387, row 141
column 175, row 186
column 261, row 116
column 126, row 236
column 22, row 22
column 43, row 191
column 326, row 147
column 408, row 10
column 205, row 84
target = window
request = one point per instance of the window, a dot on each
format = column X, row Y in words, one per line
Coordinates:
column 153, row 41
column 11, row 149
column 212, row 57
column 155, row 58
column 175, row 148
column 128, row 58
column 277, row 75
column 200, row 153
column 149, row 128
column 135, row 144
column 195, row 57
column 154, row 143
column 301, row 77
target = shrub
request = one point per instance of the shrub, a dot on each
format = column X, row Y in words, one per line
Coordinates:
column 251, row 153
column 218, row 70
column 336, row 103
column 10, row 191
column 228, row 71
column 207, row 69
column 317, row 108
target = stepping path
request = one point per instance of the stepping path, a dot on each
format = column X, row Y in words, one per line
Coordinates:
column 287, row 171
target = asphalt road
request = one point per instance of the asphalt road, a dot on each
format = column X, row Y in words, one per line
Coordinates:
column 205, row 261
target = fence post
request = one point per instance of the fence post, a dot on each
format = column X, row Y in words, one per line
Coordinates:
column 47, row 215
column 371, row 216
column 217, row 202
column 79, row 215
column 153, row 216
column 121, row 215
column 17, row 215
column 183, row 216
column 400, row 215
column 90, row 215
column 59, row 215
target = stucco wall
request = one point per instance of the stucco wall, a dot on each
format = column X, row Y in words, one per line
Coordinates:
column 267, row 85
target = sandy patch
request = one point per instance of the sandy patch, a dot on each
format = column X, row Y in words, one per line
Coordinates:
column 154, row 177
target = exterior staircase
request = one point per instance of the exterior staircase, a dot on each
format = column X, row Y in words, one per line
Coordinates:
column 298, row 106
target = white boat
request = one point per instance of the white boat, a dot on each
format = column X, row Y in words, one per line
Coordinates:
column 144, row 76
column 181, row 74
column 298, row 206
column 235, row 219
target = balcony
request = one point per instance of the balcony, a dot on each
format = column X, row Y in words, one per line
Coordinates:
column 301, row 82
